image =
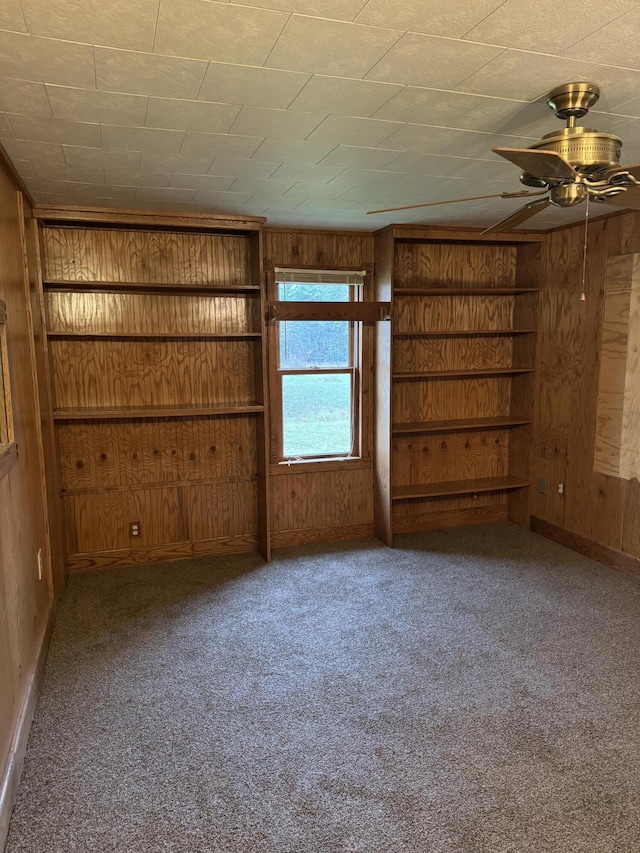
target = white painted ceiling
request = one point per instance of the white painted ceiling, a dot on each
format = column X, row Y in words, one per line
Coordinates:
column 307, row 112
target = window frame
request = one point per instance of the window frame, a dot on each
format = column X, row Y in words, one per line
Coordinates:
column 357, row 350
column 8, row 446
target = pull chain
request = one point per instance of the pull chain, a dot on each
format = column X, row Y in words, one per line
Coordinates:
column 583, row 296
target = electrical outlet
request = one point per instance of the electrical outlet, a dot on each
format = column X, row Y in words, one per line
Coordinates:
column 40, row 564
column 134, row 528
column 542, row 485
column 561, row 488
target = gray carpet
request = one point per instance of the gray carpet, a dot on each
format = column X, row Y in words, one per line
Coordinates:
column 470, row 691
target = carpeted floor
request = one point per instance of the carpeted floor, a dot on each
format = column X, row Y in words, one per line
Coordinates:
column 470, row 691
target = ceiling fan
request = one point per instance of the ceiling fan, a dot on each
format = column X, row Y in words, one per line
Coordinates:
column 566, row 167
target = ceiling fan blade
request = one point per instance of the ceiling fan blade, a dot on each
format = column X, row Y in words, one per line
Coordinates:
column 546, row 165
column 630, row 198
column 519, row 216
column 519, row 194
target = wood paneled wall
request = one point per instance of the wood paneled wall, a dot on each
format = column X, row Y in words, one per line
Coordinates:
column 323, row 501
column 25, row 600
column 594, row 508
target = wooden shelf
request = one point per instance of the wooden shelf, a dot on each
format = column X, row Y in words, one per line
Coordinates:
column 458, row 487
column 450, row 374
column 150, row 287
column 466, row 333
column 156, row 336
column 156, row 411
column 463, row 291
column 458, row 425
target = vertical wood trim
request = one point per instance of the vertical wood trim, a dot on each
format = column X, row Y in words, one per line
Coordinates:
column 382, row 473
column 262, row 390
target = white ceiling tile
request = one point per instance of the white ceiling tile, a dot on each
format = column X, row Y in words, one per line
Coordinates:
column 49, row 185
column 452, row 142
column 227, row 201
column 147, row 74
column 428, row 106
column 522, row 76
column 331, row 205
column 450, row 18
column 26, row 168
column 310, row 174
column 345, row 130
column 50, row 198
column 78, row 156
column 617, row 85
column 614, row 44
column 550, row 26
column 164, row 194
column 385, row 180
column 102, row 107
column 258, row 185
column 136, row 177
column 293, row 151
column 219, row 144
column 435, row 63
column 342, row 96
column 11, row 17
column 496, row 169
column 6, row 130
column 184, row 163
column 246, row 168
column 190, row 115
column 286, row 124
column 118, row 23
column 509, row 117
column 65, row 172
column 22, row 96
column 330, row 47
column 359, row 157
column 342, row 10
column 46, row 60
column 88, row 190
column 242, row 35
column 201, row 182
column 305, row 189
column 141, row 139
column 186, row 206
column 41, row 129
column 251, row 87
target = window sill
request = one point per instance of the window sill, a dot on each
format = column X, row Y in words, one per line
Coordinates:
column 316, row 466
column 8, row 458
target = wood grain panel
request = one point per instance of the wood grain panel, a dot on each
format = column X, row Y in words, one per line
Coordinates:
column 322, row 250
column 443, row 313
column 455, row 265
column 99, row 373
column 328, row 498
column 439, row 519
column 105, row 454
column 448, row 456
column 444, row 399
column 221, row 509
column 100, row 522
column 105, row 254
column 617, row 450
column 424, row 354
column 25, row 600
column 150, row 314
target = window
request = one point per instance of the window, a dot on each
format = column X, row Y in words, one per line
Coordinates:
column 8, row 453
column 317, row 365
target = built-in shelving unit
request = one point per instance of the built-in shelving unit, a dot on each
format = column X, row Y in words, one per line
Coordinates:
column 455, row 379
column 156, row 346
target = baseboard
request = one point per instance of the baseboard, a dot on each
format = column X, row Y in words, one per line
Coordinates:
column 162, row 553
column 603, row 553
column 13, row 768
column 334, row 533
